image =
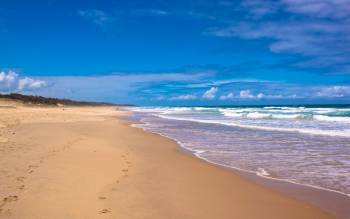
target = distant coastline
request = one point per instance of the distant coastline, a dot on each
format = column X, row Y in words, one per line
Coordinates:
column 40, row 100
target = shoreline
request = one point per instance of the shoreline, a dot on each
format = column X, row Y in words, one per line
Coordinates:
column 83, row 162
column 332, row 201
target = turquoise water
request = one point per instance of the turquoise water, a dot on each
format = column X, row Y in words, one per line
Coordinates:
column 307, row 145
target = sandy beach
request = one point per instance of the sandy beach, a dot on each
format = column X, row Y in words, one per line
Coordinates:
column 85, row 162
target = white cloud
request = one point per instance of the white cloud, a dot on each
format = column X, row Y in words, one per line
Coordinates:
column 7, row 80
column 184, row 97
column 11, row 82
column 269, row 96
column 210, row 94
column 289, row 92
column 246, row 94
column 228, row 96
column 260, row 96
column 30, row 84
column 334, row 92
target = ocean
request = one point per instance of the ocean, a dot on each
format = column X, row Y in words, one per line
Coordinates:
column 307, row 145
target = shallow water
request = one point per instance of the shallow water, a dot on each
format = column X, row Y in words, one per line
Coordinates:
column 310, row 146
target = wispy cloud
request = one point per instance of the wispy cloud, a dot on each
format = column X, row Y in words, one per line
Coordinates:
column 259, row 8
column 218, row 83
column 319, row 8
column 317, row 30
column 334, row 91
column 97, row 17
column 151, row 11
column 332, row 9
column 322, row 42
column 210, row 94
column 184, row 97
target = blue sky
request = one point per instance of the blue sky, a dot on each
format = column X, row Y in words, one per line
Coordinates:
column 157, row 52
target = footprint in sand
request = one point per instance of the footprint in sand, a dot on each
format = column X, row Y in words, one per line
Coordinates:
column 105, row 211
column 11, row 198
column 20, row 179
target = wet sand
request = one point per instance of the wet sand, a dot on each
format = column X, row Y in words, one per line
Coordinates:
column 83, row 162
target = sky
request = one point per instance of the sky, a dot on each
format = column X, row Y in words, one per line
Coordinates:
column 164, row 52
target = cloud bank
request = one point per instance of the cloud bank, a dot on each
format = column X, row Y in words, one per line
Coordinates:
column 12, row 82
column 171, row 88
